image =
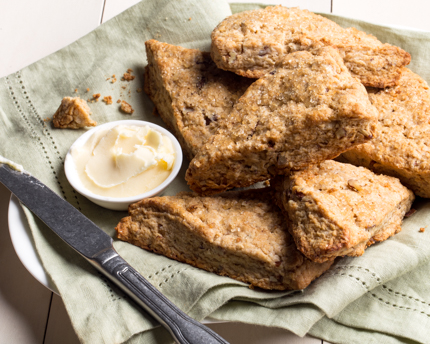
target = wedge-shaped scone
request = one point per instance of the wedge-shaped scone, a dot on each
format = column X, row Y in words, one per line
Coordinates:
column 337, row 209
column 401, row 147
column 251, row 43
column 307, row 110
column 191, row 94
column 73, row 113
column 240, row 234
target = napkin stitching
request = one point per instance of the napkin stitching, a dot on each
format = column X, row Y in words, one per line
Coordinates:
column 409, row 297
column 358, row 268
column 114, row 292
column 169, row 278
column 33, row 112
column 393, row 305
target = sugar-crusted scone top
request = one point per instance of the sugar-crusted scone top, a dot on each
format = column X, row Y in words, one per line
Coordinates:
column 251, row 43
column 191, row 94
column 307, row 110
column 337, row 209
column 401, row 147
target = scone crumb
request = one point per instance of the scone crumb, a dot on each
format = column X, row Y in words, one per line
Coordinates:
column 118, row 101
column 107, row 100
column 129, row 70
column 73, row 113
column 76, row 90
column 47, row 119
column 96, row 96
column 126, row 107
column 88, row 89
column 422, row 230
column 128, row 77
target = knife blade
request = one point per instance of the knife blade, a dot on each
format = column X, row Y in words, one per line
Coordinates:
column 96, row 247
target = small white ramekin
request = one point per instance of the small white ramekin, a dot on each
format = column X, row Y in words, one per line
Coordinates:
column 123, row 202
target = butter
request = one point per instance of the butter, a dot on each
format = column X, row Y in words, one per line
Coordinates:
column 124, row 161
column 11, row 164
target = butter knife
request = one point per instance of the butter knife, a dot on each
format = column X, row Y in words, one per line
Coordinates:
column 96, row 247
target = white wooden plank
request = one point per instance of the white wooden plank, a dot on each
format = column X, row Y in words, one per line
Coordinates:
column 411, row 13
column 59, row 328
column 115, row 7
column 24, row 302
column 238, row 333
column 311, row 5
column 30, row 30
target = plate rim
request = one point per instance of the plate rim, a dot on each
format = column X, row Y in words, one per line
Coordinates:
column 20, row 235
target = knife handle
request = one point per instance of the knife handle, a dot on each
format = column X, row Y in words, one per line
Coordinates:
column 184, row 329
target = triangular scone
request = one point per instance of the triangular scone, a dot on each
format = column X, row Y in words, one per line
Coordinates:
column 191, row 94
column 337, row 209
column 401, row 147
column 239, row 234
column 307, row 110
column 251, row 43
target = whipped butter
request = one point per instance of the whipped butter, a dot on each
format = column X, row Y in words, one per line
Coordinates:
column 11, row 164
column 124, row 161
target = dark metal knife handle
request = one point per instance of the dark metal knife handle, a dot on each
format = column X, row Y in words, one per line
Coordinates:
column 184, row 329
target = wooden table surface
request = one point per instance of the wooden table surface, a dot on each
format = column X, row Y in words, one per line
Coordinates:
column 30, row 30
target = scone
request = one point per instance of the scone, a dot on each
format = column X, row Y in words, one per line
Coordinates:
column 401, row 147
column 307, row 110
column 337, row 209
column 191, row 94
column 73, row 113
column 251, row 43
column 242, row 235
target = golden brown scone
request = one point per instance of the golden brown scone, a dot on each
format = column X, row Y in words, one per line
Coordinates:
column 191, row 94
column 73, row 113
column 401, row 147
column 239, row 234
column 251, row 43
column 307, row 110
column 337, row 209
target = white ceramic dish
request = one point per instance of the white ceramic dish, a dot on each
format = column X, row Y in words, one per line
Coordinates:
column 23, row 244
column 111, row 202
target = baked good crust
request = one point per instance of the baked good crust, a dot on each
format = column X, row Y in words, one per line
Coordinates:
column 73, row 113
column 307, row 110
column 241, row 234
column 337, row 209
column 190, row 93
column 251, row 43
column 401, row 144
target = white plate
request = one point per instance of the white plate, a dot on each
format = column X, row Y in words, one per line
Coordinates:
column 23, row 244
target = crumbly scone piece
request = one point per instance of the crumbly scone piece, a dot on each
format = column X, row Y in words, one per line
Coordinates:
column 191, row 94
column 240, row 234
column 337, row 209
column 251, row 43
column 401, row 147
column 307, row 110
column 73, row 113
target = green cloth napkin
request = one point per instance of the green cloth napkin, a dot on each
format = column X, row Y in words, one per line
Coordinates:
column 380, row 297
